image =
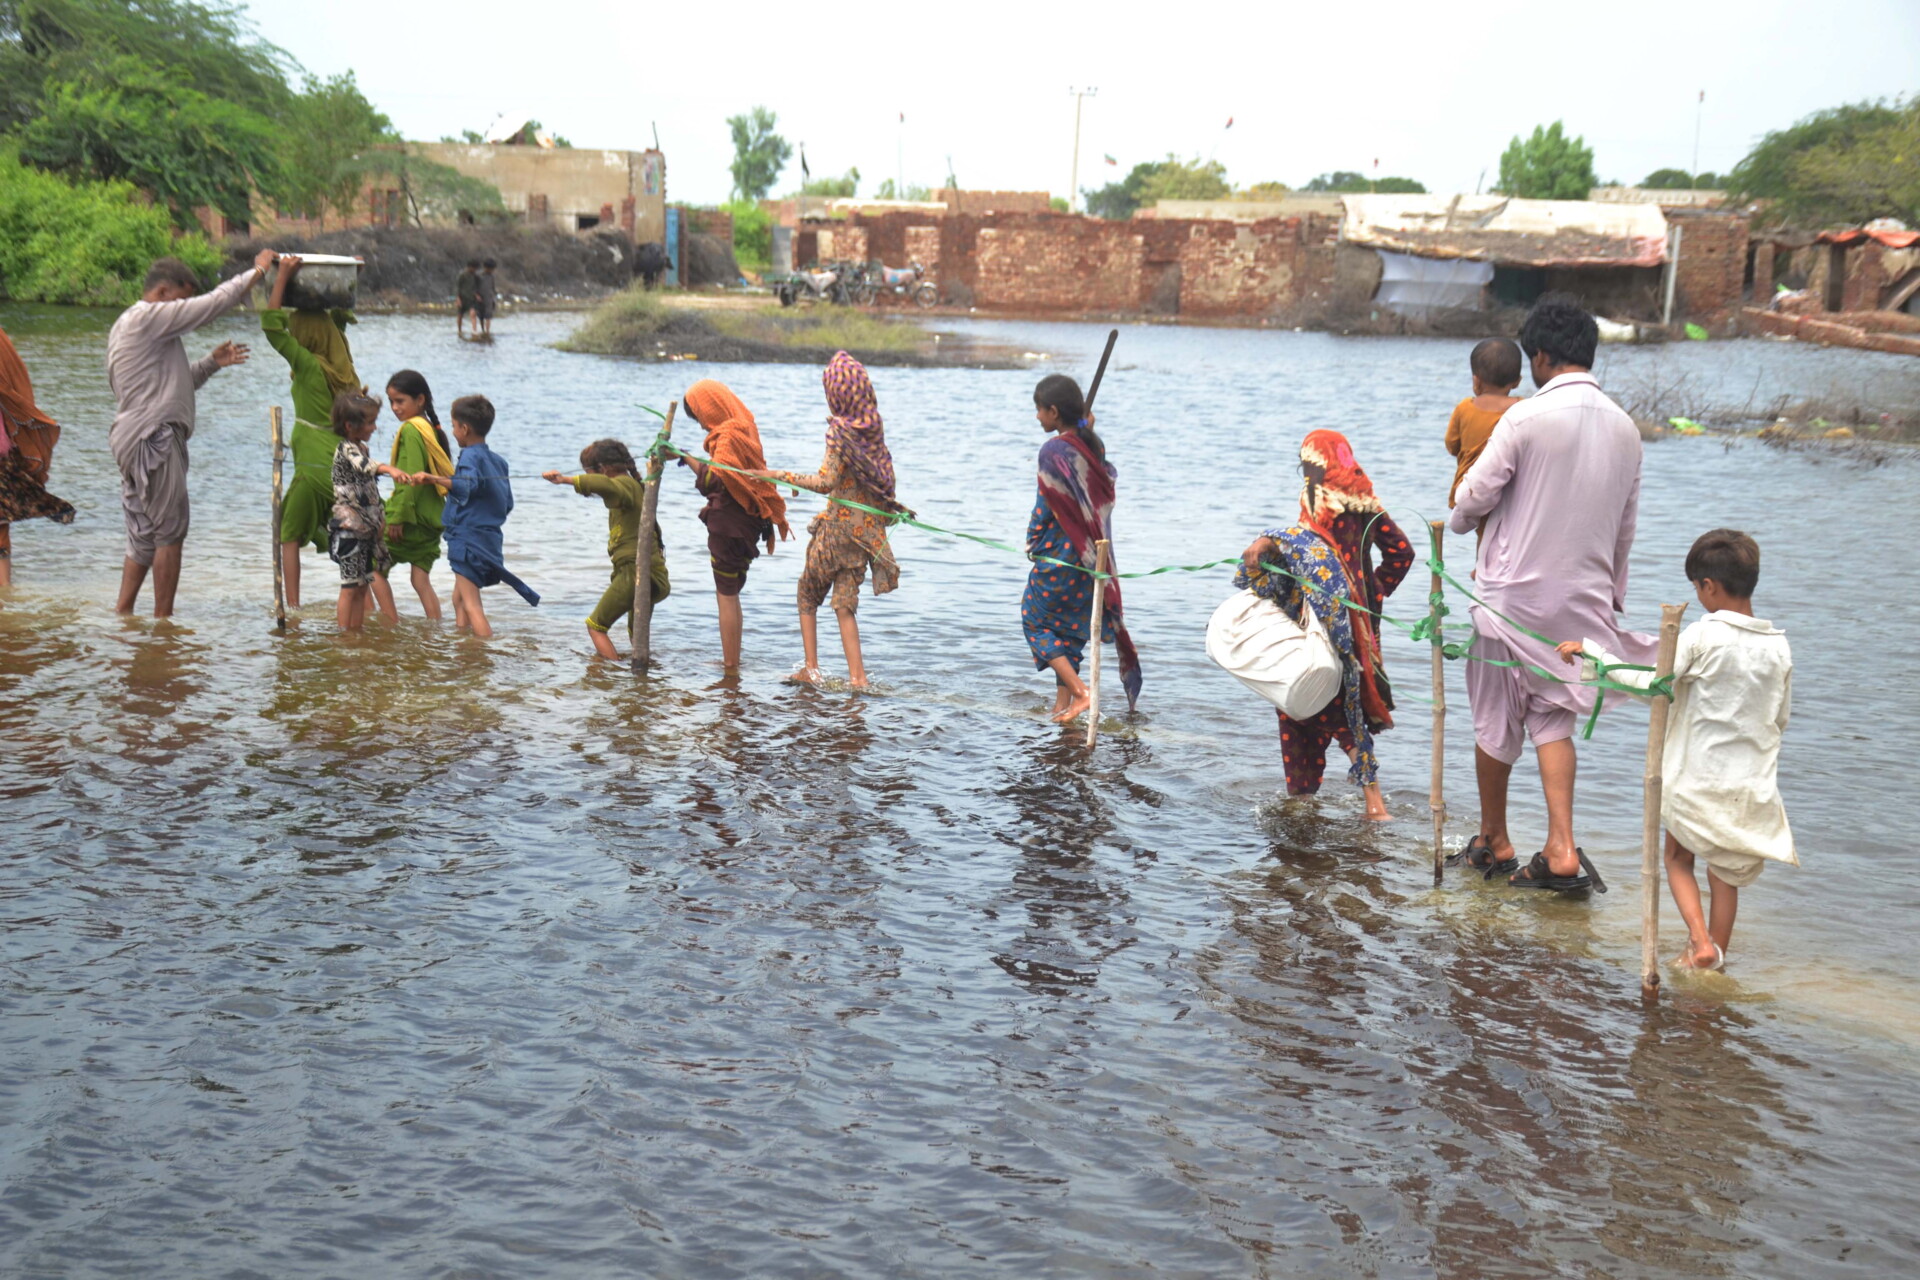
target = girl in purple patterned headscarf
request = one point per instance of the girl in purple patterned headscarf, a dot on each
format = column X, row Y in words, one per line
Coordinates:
column 846, row 541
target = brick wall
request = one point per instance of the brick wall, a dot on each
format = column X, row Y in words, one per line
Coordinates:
column 1044, row 262
column 1763, row 272
column 1712, row 272
column 979, row 202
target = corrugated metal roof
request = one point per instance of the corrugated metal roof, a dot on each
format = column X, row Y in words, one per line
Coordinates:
column 1511, row 232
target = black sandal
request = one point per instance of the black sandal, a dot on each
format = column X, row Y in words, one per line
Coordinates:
column 1478, row 856
column 1538, row 875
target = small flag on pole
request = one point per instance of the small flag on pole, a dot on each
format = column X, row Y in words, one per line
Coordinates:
column 1703, row 95
column 903, row 117
column 804, row 171
column 1229, row 122
column 1111, row 160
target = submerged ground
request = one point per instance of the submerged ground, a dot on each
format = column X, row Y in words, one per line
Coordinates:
column 408, row 955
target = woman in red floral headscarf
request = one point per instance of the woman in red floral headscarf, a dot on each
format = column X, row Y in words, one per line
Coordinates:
column 1331, row 546
column 846, row 541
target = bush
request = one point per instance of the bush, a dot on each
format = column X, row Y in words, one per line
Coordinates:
column 752, row 234
column 83, row 242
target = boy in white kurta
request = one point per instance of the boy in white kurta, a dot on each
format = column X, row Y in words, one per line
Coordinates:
column 1732, row 686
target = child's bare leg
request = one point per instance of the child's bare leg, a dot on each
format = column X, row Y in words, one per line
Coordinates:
column 850, row 641
column 383, row 597
column 343, row 609
column 1376, row 803
column 1686, row 896
column 1072, row 697
column 290, row 572
column 467, row 593
column 423, row 587
column 360, row 607
column 602, row 643
column 732, row 624
column 1725, row 906
column 809, row 672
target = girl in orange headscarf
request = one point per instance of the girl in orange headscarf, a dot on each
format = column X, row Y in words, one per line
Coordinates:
column 1331, row 547
column 741, row 511
column 27, row 437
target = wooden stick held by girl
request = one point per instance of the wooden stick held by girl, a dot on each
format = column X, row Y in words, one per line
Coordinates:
column 607, row 472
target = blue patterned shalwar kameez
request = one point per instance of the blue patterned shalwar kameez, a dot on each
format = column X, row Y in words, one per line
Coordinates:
column 1058, row 602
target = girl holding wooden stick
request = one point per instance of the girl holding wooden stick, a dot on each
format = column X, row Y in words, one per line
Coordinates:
column 1074, row 511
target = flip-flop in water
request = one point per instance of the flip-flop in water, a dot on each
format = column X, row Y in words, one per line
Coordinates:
column 1719, row 963
column 1538, row 875
column 1478, row 856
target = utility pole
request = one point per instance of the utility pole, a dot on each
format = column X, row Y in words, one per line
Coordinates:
column 1699, row 110
column 1079, row 97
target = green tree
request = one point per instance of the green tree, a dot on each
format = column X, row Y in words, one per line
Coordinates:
column 752, row 234
column 123, row 119
column 332, row 131
column 1169, row 179
column 43, row 41
column 913, row 191
column 42, row 259
column 844, row 187
column 1875, row 173
column 1668, row 180
column 1347, row 182
column 1811, row 172
column 1264, row 191
column 1547, row 166
column 758, row 153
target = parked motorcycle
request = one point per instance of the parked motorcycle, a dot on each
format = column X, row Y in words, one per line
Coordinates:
column 827, row 284
column 906, row 282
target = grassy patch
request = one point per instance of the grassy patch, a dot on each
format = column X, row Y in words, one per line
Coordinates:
column 819, row 328
column 620, row 324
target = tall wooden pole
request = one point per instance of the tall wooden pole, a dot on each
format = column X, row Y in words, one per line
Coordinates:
column 1436, row 792
column 279, row 570
column 640, row 621
column 1102, row 549
column 1650, row 809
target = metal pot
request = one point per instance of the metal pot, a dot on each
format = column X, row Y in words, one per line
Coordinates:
column 324, row 282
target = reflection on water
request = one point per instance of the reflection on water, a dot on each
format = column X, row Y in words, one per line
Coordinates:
column 402, row 952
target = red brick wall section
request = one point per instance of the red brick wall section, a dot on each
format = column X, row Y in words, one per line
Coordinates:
column 707, row 222
column 841, row 242
column 1866, row 272
column 1713, row 267
column 1762, row 272
column 1043, row 262
column 1239, row 269
column 978, row 202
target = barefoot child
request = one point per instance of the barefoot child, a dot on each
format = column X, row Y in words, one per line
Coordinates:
column 1720, row 799
column 845, row 540
column 479, row 498
column 741, row 512
column 466, row 292
column 414, row 510
column 357, row 527
column 1074, row 510
column 314, row 345
column 607, row 473
column 1495, row 365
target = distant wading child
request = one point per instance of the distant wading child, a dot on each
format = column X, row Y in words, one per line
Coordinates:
column 1074, row 510
column 741, row 512
column 607, row 472
column 479, row 499
column 314, row 345
column 357, row 522
column 1732, row 694
column 466, row 291
column 1495, row 365
column 414, row 511
column 845, row 541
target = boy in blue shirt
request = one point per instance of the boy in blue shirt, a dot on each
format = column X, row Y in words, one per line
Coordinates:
column 479, row 496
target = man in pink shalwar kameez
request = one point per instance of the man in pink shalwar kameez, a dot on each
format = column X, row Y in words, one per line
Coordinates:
column 1559, row 488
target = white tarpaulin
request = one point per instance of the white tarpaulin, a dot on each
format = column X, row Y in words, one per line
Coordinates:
column 1411, row 286
column 1529, row 233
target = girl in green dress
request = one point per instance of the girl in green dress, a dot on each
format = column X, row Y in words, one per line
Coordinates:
column 413, row 512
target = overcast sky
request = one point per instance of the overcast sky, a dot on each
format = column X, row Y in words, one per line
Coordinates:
column 1431, row 91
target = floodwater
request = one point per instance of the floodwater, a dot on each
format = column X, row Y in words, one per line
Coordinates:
column 412, row 955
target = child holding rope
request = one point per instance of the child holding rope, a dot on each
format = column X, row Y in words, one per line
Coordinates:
column 607, row 472
column 479, row 499
column 741, row 512
column 357, row 527
column 1732, row 693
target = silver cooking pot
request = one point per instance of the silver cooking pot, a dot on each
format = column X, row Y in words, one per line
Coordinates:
column 324, row 282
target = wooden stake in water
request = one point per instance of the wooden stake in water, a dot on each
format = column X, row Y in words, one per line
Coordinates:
column 1650, row 808
column 279, row 570
column 1436, row 794
column 640, row 621
column 1102, row 549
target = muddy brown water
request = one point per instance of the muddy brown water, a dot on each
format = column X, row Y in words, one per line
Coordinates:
column 409, row 955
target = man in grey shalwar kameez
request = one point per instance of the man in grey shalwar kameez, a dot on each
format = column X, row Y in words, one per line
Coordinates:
column 153, row 388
